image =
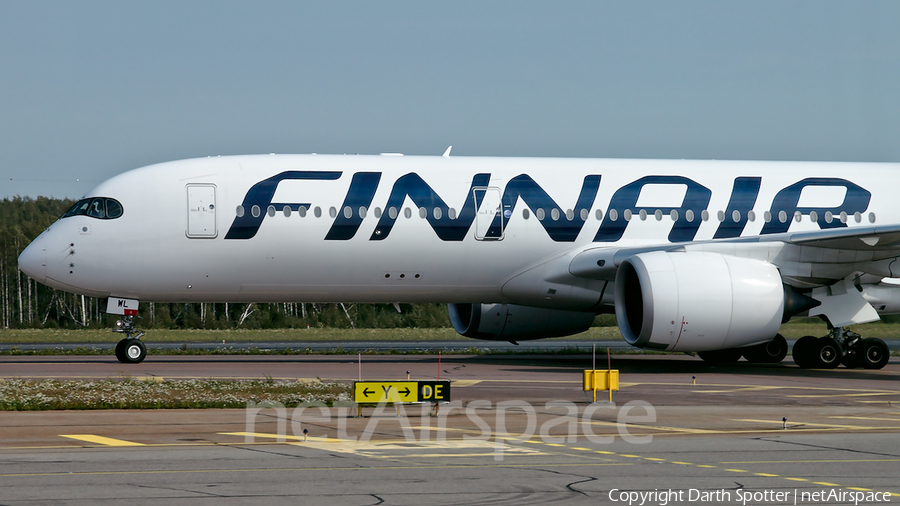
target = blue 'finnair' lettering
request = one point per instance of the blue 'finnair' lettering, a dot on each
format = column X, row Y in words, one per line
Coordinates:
column 743, row 198
column 260, row 195
column 362, row 189
column 856, row 200
column 561, row 229
column 696, row 200
column 448, row 229
column 567, row 226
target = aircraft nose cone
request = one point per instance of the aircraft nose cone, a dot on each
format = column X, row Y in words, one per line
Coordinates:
column 33, row 261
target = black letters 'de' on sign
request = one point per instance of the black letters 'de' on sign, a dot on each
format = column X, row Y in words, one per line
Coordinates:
column 375, row 392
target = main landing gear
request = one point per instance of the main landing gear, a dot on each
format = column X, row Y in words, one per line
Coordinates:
column 840, row 346
column 130, row 350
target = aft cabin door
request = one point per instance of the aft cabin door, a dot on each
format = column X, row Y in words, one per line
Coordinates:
column 489, row 220
column 201, row 211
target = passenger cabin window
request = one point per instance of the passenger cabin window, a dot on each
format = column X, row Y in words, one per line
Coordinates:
column 102, row 208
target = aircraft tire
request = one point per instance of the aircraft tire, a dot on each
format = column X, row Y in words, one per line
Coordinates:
column 827, row 353
column 721, row 356
column 801, row 351
column 875, row 353
column 133, row 351
column 771, row 352
column 120, row 351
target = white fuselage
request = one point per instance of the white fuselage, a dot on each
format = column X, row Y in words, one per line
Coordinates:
column 149, row 253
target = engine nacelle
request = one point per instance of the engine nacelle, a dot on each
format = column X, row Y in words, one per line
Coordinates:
column 509, row 322
column 697, row 301
column 884, row 297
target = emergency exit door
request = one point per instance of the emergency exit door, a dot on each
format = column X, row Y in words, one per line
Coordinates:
column 201, row 211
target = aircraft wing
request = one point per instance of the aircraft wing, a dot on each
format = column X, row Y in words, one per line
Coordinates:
column 882, row 239
column 865, row 248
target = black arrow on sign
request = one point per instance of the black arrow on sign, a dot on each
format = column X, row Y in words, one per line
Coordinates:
column 405, row 391
column 366, row 392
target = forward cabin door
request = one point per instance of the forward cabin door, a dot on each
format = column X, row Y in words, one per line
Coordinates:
column 201, row 211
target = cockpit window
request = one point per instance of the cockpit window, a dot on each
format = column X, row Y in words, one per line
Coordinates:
column 80, row 207
column 113, row 208
column 97, row 207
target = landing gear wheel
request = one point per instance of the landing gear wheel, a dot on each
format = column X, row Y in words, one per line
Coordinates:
column 771, row 352
column 801, row 351
column 120, row 350
column 875, row 353
column 721, row 356
column 131, row 351
column 827, row 353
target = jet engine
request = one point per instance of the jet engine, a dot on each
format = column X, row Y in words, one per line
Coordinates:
column 884, row 297
column 698, row 301
column 510, row 322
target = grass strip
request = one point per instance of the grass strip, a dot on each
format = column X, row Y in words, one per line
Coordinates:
column 337, row 350
column 472, row 350
column 793, row 330
column 129, row 393
column 53, row 336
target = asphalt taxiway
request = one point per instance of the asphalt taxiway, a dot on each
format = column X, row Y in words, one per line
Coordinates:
column 519, row 433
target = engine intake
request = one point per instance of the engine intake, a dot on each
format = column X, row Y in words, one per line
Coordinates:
column 510, row 322
column 697, row 301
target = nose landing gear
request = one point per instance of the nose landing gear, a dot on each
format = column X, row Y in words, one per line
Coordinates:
column 130, row 350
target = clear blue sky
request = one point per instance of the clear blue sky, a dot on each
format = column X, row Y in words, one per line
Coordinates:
column 91, row 89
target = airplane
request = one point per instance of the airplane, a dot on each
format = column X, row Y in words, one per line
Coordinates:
column 698, row 256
